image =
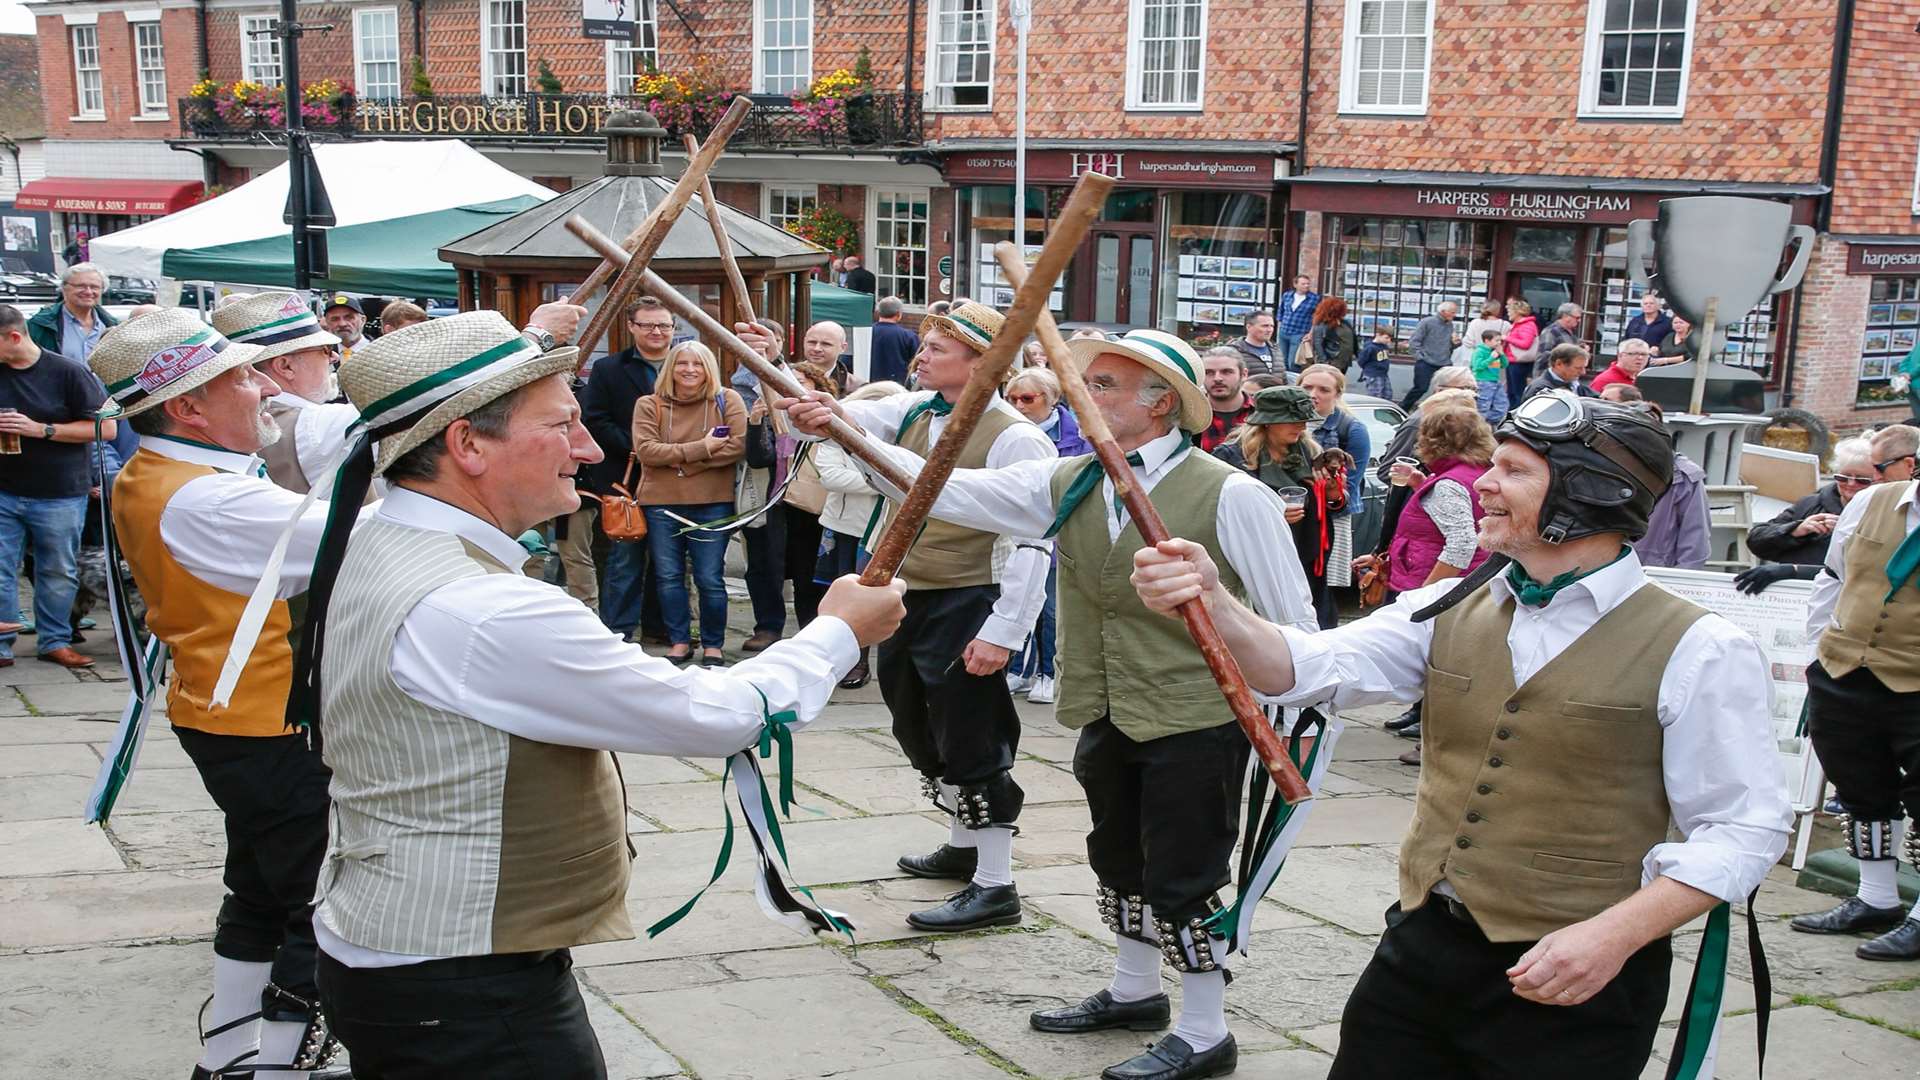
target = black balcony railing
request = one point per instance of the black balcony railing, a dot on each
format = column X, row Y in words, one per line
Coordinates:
column 875, row 120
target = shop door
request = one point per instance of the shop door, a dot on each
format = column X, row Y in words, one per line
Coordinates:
column 1545, row 291
column 1121, row 285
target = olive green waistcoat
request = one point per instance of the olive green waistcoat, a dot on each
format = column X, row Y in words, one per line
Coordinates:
column 949, row 556
column 1539, row 803
column 1869, row 630
column 1117, row 658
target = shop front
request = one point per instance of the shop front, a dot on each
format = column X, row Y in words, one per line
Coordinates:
column 1397, row 250
column 1188, row 242
column 1893, row 316
column 84, row 208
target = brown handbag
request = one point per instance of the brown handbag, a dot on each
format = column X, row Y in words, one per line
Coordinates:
column 621, row 518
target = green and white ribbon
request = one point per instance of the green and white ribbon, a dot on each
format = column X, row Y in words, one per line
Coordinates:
column 791, row 905
column 1267, row 852
column 1698, row 1041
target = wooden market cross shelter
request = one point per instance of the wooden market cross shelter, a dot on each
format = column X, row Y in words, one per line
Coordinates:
column 530, row 258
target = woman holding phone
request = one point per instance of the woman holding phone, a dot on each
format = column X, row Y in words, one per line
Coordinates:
column 687, row 435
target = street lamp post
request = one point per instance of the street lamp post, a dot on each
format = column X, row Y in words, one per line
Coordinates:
column 297, row 149
column 1022, row 11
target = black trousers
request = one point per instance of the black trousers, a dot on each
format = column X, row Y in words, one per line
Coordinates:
column 1435, row 1003
column 509, row 1016
column 801, row 559
column 767, row 570
column 1422, row 378
column 273, row 794
column 1868, row 740
column 1165, row 812
column 957, row 727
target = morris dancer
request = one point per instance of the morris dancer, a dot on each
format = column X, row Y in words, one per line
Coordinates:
column 197, row 520
column 941, row 675
column 1537, row 887
column 1160, row 755
column 467, row 711
column 1863, row 694
column 298, row 357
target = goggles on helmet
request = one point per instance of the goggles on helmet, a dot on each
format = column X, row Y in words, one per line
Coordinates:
column 1554, row 416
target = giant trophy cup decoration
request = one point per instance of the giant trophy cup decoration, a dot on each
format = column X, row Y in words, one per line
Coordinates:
column 1714, row 260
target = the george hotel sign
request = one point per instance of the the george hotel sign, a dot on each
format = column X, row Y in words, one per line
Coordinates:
column 535, row 117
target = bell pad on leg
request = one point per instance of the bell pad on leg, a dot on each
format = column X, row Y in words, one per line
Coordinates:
column 317, row 1048
column 1125, row 914
column 994, row 803
column 1185, row 940
column 1872, row 841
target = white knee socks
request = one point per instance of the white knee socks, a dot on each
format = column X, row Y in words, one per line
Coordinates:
column 1203, row 1005
column 996, row 857
column 279, row 1043
column 237, row 985
column 1136, row 972
column 958, row 835
column 1879, row 882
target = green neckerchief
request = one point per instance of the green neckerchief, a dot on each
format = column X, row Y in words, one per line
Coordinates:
column 1534, row 594
column 1903, row 565
column 1089, row 478
column 937, row 405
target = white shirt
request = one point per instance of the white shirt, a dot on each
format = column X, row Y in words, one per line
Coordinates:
column 222, row 528
column 523, row 656
column 1023, row 578
column 1723, row 778
column 1249, row 518
column 1826, row 587
column 319, row 434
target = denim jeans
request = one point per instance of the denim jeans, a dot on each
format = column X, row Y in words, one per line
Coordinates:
column 670, row 550
column 628, row 597
column 1037, row 658
column 1490, row 397
column 52, row 526
column 1285, row 347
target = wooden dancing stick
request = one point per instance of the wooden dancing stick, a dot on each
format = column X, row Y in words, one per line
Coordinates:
column 1287, row 780
column 646, row 240
column 850, row 438
column 727, row 262
column 1029, row 305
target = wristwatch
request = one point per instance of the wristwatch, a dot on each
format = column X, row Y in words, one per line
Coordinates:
column 49, row 430
column 542, row 340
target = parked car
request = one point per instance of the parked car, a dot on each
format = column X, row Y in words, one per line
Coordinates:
column 19, row 281
column 1382, row 418
column 131, row 290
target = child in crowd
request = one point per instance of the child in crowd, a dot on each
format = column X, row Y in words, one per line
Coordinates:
column 1490, row 376
column 1374, row 372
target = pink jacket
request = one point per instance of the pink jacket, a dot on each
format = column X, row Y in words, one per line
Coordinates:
column 1417, row 541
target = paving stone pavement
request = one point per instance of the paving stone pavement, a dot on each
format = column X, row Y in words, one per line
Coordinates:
column 107, row 930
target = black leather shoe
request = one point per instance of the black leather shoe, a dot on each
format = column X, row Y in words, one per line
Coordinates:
column 1850, row 917
column 971, row 908
column 1411, row 731
column 1101, row 1012
column 1900, row 943
column 1404, row 720
column 945, row 861
column 1172, row 1059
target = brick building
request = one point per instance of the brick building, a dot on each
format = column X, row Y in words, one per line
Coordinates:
column 1399, row 151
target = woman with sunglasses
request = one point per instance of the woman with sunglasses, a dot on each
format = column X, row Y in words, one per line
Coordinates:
column 1035, row 392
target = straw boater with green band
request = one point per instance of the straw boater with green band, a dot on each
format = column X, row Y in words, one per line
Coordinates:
column 184, row 513
column 470, row 715
column 1161, row 755
column 298, row 355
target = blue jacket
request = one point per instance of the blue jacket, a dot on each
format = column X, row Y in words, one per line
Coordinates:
column 1341, row 431
column 892, row 350
column 1373, row 358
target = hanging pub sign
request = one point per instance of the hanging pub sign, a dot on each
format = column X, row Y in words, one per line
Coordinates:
column 609, row 20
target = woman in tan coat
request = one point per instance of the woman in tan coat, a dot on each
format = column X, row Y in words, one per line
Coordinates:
column 687, row 436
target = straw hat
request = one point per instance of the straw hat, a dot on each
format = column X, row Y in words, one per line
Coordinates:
column 971, row 323
column 410, row 384
column 278, row 322
column 1166, row 355
column 145, row 361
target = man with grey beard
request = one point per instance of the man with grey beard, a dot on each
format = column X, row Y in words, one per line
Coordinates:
column 298, row 357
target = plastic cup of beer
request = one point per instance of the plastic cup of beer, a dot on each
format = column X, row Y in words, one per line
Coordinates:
column 1293, row 496
column 1400, row 472
column 9, row 440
